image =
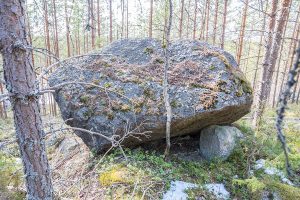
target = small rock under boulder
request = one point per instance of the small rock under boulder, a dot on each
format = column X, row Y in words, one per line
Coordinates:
column 218, row 142
column 206, row 87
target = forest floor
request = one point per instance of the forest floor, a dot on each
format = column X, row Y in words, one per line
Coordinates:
column 144, row 174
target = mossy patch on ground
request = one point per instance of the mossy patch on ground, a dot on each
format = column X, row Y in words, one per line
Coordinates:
column 117, row 174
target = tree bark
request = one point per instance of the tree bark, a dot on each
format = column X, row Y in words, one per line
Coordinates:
column 224, row 24
column 258, row 107
column 260, row 47
column 188, row 19
column 92, row 23
column 279, row 63
column 98, row 22
column 195, row 20
column 207, row 20
column 127, row 20
column 270, row 59
column 216, row 21
column 56, row 45
column 30, row 37
column 67, row 30
column 20, row 83
column 123, row 12
column 181, row 18
column 202, row 28
column 110, row 22
column 151, row 19
column 292, row 49
column 242, row 33
column 48, row 44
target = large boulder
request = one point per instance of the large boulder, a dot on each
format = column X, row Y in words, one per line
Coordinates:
column 206, row 87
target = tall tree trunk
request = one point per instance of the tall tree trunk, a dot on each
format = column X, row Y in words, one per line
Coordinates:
column 242, row 33
column 216, row 21
column 78, row 42
column 270, row 58
column 127, row 20
column 67, row 29
column 260, row 46
column 188, row 19
column 48, row 45
column 279, row 62
column 195, row 20
column 110, row 21
column 181, row 18
column 224, row 24
column 92, row 23
column 99, row 23
column 292, row 49
column 258, row 105
column 246, row 62
column 56, row 45
column 207, row 20
column 202, row 28
column 123, row 18
column 20, row 83
column 151, row 19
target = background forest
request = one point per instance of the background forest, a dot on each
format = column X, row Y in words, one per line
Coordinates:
column 263, row 37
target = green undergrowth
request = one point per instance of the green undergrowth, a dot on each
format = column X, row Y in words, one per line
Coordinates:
column 10, row 170
column 146, row 167
column 10, row 178
column 256, row 187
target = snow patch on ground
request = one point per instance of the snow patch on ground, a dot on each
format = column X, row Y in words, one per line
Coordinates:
column 218, row 189
column 178, row 188
column 261, row 164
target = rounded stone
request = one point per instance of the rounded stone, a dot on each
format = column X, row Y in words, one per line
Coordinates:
column 218, row 142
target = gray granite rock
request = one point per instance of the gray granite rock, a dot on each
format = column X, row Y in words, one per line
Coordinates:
column 218, row 142
column 206, row 88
